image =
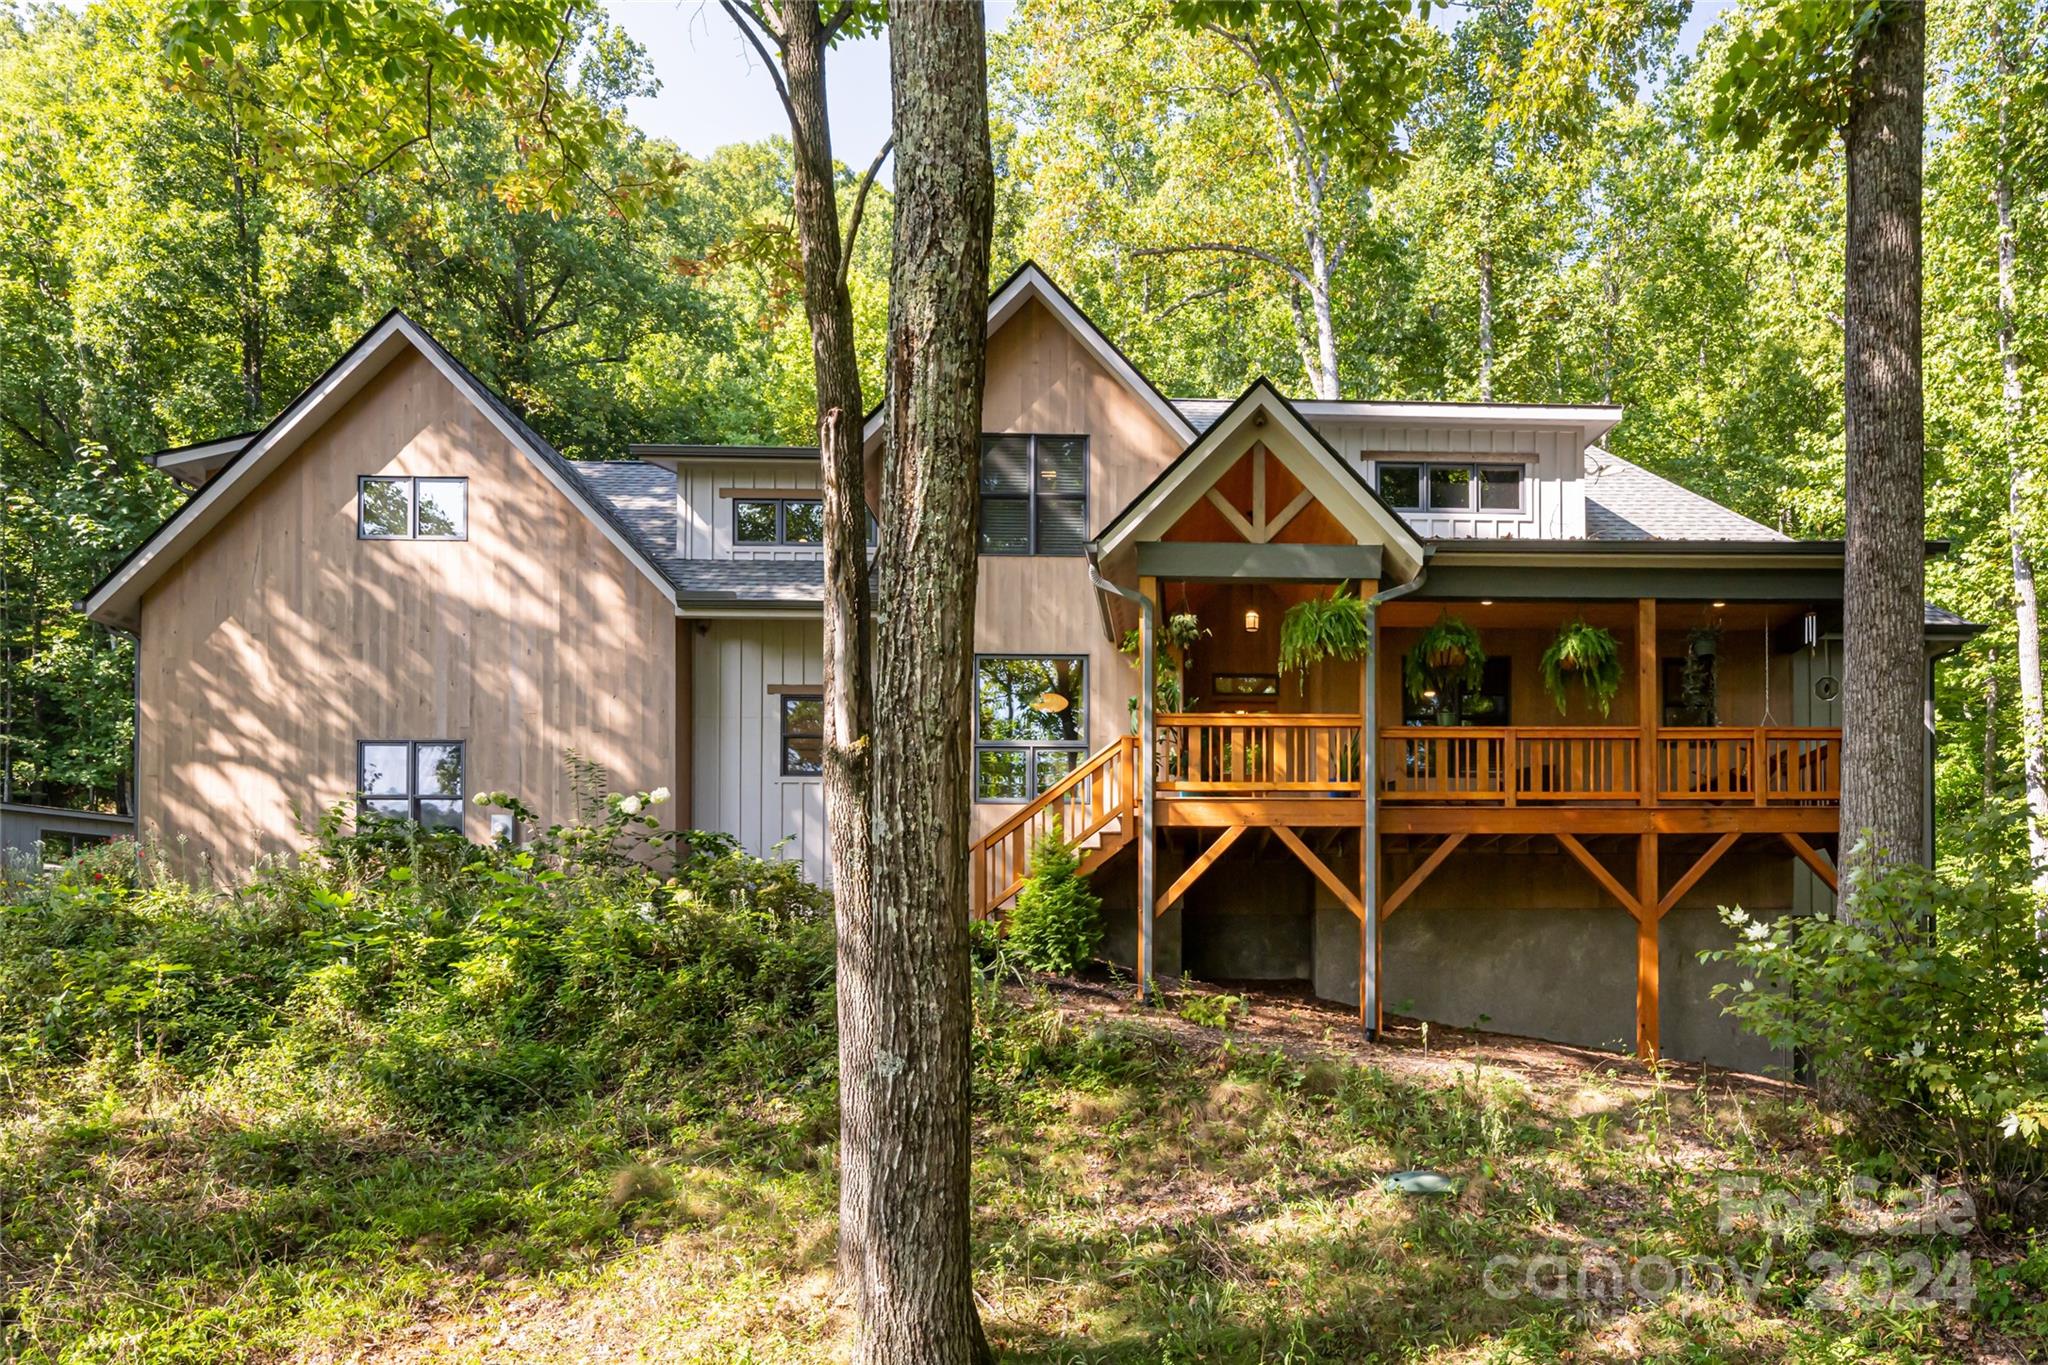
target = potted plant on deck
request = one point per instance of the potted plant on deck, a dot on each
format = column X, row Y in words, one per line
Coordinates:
column 1584, row 657
column 1447, row 662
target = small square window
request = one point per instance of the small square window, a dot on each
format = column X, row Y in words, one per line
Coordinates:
column 1500, row 488
column 443, row 509
column 1450, row 488
column 755, row 523
column 386, row 512
column 419, row 781
column 1401, row 485
column 803, row 523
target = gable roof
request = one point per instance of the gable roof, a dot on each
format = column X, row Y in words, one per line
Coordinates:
column 116, row 600
column 643, row 497
column 1028, row 283
column 1333, row 480
column 1625, row 501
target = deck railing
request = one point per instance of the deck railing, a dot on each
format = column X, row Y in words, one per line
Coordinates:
column 1764, row 765
column 1266, row 753
column 1097, row 799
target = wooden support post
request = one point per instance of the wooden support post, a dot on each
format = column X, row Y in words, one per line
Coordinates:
column 1194, row 872
column 1420, row 875
column 1147, row 826
column 1811, row 856
column 1647, row 713
column 1648, row 1021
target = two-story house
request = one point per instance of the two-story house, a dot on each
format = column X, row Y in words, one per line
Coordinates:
column 397, row 596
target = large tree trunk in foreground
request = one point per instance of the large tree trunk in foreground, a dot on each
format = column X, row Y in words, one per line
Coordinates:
column 829, row 309
column 1884, row 796
column 904, row 994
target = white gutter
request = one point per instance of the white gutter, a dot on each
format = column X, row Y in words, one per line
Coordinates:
column 1148, row 853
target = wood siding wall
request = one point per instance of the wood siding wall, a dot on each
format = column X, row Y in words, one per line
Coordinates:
column 282, row 640
column 737, row 784
column 1554, row 490
column 1042, row 379
column 704, row 519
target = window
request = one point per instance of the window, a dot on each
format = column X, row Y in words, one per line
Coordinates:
column 1401, row 485
column 411, row 509
column 1438, row 487
column 60, row 844
column 1489, row 704
column 803, row 734
column 1030, row 724
column 416, row 780
column 1034, row 495
column 778, row 521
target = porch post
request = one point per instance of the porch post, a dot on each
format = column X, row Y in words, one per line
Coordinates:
column 1148, row 739
column 1646, row 701
column 1648, row 1014
column 1368, row 829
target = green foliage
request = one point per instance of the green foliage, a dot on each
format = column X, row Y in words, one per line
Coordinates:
column 1786, row 75
column 460, row 988
column 1057, row 923
column 1217, row 1009
column 1178, row 634
column 1446, row 657
column 1317, row 628
column 1928, row 1008
column 1585, row 657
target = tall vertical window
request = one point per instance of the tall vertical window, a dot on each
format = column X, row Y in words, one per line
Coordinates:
column 803, row 734
column 411, row 509
column 1034, row 495
column 416, row 780
column 1030, row 724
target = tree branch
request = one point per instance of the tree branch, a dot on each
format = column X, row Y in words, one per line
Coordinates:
column 860, row 203
column 1294, row 272
column 759, row 33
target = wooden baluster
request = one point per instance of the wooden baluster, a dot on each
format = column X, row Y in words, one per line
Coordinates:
column 1760, row 767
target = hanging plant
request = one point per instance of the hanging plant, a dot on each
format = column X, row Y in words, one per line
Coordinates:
column 1698, row 692
column 1333, row 627
column 1180, row 631
column 1585, row 657
column 1448, row 657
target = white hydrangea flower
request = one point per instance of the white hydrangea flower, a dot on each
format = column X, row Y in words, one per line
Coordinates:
column 630, row 806
column 657, row 796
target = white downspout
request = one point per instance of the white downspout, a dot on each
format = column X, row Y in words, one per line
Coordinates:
column 1148, row 854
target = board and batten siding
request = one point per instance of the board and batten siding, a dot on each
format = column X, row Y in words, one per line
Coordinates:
column 1554, row 490
column 281, row 640
column 1043, row 380
column 737, row 785
column 704, row 516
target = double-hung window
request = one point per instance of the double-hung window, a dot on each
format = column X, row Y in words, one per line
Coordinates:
column 1450, row 487
column 416, row 780
column 389, row 508
column 1030, row 723
column 1034, row 495
column 803, row 734
column 778, row 521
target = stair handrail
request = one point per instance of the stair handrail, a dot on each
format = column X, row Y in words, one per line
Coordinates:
column 978, row 852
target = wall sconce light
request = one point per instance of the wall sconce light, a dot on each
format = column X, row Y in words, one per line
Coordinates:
column 1720, row 604
column 1251, row 622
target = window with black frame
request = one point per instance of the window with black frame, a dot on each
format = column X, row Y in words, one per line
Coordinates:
column 803, row 734
column 1030, row 724
column 416, row 780
column 1034, row 495
column 778, row 521
column 1487, row 704
column 1440, row 486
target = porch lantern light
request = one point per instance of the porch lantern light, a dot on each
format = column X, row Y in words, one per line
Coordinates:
column 1720, row 604
column 1251, row 621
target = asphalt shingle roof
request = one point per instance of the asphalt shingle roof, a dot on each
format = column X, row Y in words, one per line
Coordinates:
column 641, row 497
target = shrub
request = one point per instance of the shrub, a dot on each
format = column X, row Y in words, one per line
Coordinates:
column 1926, row 1010
column 1057, row 924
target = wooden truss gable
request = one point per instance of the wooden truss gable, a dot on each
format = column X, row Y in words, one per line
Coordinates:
column 1259, row 501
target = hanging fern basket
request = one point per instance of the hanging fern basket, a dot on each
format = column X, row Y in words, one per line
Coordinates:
column 1585, row 659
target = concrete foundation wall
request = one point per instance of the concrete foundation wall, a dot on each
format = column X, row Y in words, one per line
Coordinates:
column 1520, row 942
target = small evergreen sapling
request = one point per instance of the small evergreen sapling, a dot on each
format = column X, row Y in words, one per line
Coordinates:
column 1057, row 924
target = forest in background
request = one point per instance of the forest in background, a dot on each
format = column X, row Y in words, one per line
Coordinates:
column 166, row 276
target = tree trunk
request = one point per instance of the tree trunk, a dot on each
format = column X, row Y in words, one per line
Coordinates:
column 1991, row 727
column 2026, row 600
column 829, row 309
column 1883, row 742
column 1485, row 324
column 905, row 1007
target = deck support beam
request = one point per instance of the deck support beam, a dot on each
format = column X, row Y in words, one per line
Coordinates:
column 1344, row 894
column 1194, row 872
column 1810, row 855
column 1695, row 872
column 1608, row 881
column 1420, row 875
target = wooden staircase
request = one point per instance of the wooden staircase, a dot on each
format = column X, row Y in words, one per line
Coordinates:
column 1095, row 808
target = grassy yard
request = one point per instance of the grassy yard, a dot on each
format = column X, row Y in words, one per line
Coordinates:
column 1151, row 1188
